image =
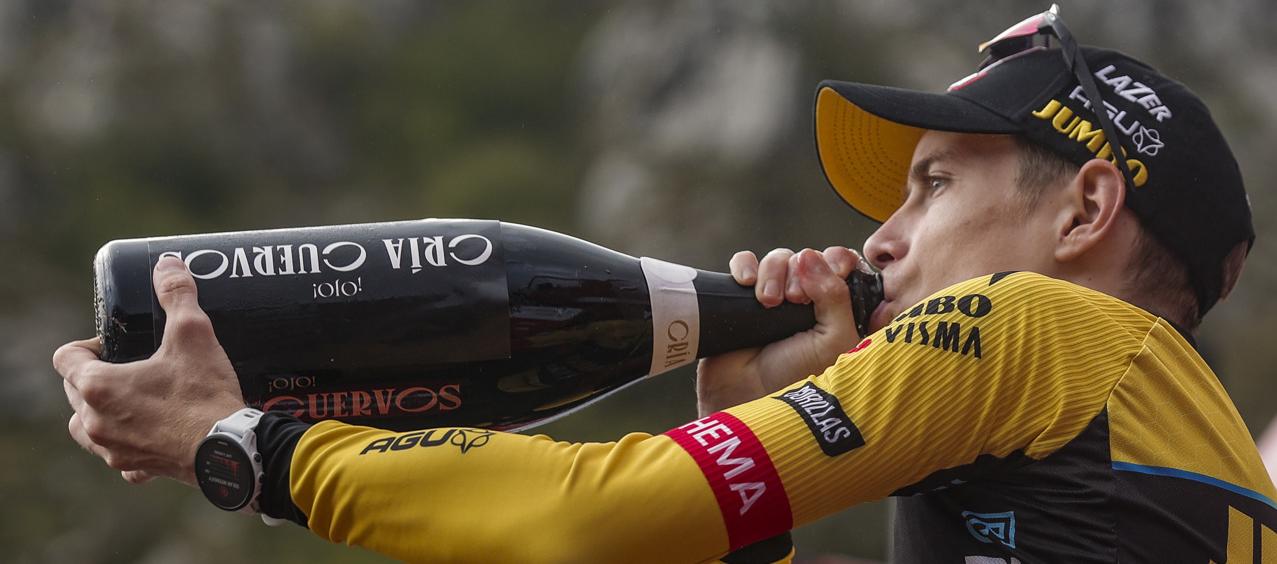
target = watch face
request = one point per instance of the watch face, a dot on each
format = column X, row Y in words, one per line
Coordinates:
column 224, row 473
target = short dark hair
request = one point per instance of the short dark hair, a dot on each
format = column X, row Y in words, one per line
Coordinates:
column 1154, row 271
column 1040, row 168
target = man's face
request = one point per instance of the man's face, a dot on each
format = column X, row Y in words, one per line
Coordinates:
column 963, row 217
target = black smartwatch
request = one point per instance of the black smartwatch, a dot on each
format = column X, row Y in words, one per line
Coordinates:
column 228, row 467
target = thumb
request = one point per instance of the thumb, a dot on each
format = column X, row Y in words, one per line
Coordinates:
column 174, row 285
column 175, row 289
column 829, row 295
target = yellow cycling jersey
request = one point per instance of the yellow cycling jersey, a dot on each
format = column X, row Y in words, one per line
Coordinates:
column 1018, row 418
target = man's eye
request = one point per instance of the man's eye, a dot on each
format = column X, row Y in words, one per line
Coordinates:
column 936, row 182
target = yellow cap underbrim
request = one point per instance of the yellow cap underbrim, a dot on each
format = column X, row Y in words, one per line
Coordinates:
column 866, row 158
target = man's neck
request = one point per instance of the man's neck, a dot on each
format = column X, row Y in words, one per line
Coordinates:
column 1117, row 284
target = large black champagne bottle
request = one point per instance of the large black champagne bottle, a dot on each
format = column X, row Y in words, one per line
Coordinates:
column 438, row 322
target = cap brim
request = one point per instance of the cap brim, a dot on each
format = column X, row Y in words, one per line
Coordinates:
column 866, row 134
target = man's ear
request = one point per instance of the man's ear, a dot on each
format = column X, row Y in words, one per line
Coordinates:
column 1094, row 200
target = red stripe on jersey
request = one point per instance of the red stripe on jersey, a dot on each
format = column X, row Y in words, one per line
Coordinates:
column 749, row 493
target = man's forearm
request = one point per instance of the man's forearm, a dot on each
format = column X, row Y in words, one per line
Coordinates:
column 465, row 495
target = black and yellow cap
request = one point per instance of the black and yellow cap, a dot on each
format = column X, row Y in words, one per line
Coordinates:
column 1188, row 189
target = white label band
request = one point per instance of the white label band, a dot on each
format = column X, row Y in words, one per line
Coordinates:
column 676, row 316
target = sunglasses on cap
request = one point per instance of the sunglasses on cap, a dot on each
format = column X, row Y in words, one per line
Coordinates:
column 1021, row 39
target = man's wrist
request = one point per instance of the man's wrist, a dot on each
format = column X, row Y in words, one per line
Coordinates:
column 707, row 407
column 718, row 400
column 228, row 466
column 199, row 430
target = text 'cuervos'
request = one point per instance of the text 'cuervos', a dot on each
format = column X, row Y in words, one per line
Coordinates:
column 418, row 253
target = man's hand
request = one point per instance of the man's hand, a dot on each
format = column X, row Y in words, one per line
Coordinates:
column 146, row 418
column 806, row 277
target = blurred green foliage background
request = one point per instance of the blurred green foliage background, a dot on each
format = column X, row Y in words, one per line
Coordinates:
column 680, row 130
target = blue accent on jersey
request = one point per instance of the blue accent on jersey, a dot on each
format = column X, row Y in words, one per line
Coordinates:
column 990, row 527
column 1194, row 476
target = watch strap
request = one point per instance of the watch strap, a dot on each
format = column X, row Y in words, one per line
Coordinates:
column 240, row 423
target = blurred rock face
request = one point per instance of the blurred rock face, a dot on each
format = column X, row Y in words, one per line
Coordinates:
column 704, row 80
column 675, row 86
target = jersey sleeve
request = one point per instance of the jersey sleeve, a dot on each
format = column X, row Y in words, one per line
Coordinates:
column 990, row 367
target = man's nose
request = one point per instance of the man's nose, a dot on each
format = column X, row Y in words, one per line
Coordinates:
column 886, row 245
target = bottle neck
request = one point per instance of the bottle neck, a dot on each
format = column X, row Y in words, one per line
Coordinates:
column 732, row 319
column 697, row 314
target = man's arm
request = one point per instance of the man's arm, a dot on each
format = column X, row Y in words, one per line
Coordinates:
column 901, row 407
column 144, row 418
column 982, row 376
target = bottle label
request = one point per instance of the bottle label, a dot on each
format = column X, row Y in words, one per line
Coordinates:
column 676, row 320
column 367, row 296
